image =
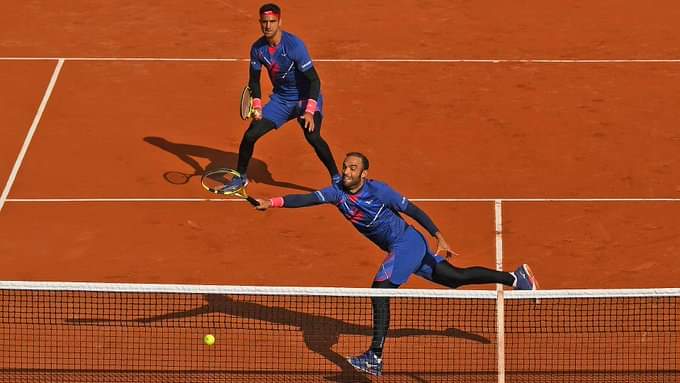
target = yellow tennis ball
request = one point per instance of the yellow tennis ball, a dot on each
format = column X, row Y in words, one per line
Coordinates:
column 209, row 339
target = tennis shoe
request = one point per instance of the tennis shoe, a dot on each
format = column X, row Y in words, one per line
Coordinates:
column 367, row 362
column 525, row 278
column 235, row 184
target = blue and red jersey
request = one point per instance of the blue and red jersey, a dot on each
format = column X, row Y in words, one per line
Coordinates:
column 373, row 210
column 285, row 64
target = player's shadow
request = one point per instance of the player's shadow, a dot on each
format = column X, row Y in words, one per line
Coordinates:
column 187, row 153
column 320, row 333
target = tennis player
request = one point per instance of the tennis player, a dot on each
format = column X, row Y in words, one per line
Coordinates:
column 373, row 208
column 297, row 92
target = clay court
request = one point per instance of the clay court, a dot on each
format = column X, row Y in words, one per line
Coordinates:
column 563, row 114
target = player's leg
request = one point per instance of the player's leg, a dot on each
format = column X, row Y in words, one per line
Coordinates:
column 320, row 146
column 274, row 114
column 437, row 269
column 404, row 259
column 451, row 276
column 256, row 130
column 381, row 316
column 371, row 360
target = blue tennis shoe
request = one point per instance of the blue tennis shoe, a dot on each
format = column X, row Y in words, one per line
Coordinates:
column 235, row 184
column 525, row 278
column 367, row 362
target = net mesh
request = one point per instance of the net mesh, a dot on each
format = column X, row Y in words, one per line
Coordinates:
column 593, row 339
column 153, row 333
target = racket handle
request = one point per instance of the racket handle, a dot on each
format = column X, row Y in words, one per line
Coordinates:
column 253, row 201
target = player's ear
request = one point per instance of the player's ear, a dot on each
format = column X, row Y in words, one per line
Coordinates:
column 364, row 174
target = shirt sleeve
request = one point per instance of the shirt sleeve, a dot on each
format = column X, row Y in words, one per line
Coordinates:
column 255, row 62
column 398, row 202
column 303, row 62
column 423, row 219
column 393, row 199
column 328, row 195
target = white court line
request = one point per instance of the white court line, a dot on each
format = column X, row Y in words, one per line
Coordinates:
column 500, row 298
column 66, row 200
column 366, row 60
column 29, row 135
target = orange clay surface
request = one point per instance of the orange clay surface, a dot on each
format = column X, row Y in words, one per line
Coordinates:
column 503, row 130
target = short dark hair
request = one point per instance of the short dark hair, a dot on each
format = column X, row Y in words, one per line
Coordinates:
column 270, row 7
column 361, row 156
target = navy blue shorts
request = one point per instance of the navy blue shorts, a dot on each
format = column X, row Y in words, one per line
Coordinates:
column 280, row 111
column 410, row 255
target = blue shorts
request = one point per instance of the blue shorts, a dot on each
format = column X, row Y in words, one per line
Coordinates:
column 280, row 111
column 410, row 255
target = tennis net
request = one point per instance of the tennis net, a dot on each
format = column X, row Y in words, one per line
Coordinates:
column 85, row 332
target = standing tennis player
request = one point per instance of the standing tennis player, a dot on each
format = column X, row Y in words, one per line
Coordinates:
column 373, row 208
column 297, row 92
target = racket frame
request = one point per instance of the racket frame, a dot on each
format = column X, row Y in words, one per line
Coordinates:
column 239, row 192
column 246, row 107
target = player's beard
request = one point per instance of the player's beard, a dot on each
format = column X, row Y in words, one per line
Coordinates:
column 352, row 182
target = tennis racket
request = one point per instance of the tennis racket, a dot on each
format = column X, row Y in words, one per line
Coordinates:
column 178, row 178
column 217, row 181
column 247, row 110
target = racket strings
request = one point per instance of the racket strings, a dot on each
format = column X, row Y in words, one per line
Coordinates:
column 246, row 104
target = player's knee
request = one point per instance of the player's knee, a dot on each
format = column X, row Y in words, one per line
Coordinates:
column 314, row 138
column 448, row 275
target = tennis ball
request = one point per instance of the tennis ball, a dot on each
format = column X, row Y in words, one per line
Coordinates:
column 209, row 339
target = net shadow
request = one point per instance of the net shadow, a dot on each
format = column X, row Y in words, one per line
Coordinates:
column 320, row 333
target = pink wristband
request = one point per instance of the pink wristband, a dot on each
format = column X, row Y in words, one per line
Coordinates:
column 257, row 103
column 311, row 106
column 276, row 202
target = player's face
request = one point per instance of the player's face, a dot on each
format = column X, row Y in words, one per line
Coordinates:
column 353, row 173
column 269, row 24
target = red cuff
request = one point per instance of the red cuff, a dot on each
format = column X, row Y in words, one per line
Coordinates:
column 257, row 103
column 311, row 106
column 276, row 202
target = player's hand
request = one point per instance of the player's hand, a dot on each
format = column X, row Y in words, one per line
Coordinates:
column 264, row 204
column 257, row 114
column 309, row 121
column 442, row 246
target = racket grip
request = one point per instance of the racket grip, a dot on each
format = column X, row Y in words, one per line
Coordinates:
column 253, row 201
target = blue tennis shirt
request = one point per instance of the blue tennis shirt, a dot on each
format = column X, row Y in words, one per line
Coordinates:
column 373, row 210
column 285, row 65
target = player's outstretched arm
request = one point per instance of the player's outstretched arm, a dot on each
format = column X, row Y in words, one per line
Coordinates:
column 291, row 201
